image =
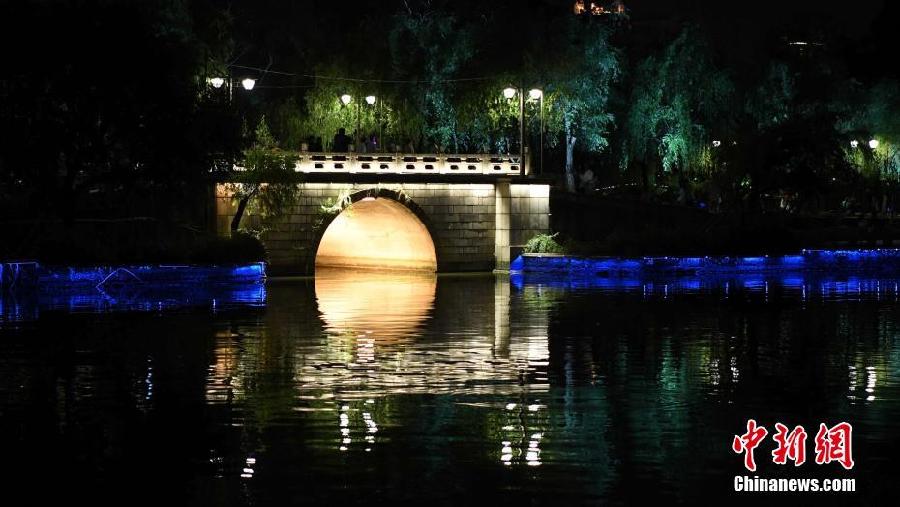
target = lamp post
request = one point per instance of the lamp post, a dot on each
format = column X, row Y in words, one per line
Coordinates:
column 346, row 99
column 509, row 93
column 217, row 82
column 533, row 94
column 538, row 94
column 371, row 99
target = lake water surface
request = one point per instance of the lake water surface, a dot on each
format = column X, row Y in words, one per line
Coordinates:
column 365, row 388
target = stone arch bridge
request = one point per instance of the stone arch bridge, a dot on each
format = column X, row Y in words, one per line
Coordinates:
column 428, row 212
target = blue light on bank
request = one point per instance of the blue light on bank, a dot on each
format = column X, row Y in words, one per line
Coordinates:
column 29, row 288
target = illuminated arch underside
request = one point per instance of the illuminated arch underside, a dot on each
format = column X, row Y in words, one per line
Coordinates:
column 379, row 233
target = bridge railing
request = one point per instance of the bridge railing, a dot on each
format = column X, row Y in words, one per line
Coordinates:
column 405, row 163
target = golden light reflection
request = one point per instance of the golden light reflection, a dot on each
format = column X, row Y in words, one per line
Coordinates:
column 224, row 381
column 375, row 324
column 373, row 306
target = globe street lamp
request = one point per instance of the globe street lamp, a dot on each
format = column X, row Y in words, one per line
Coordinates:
column 873, row 143
column 508, row 93
column 370, row 100
column 533, row 94
column 217, row 82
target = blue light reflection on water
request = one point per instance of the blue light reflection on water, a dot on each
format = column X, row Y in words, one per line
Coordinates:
column 27, row 305
column 813, row 273
column 18, row 306
column 806, row 286
column 885, row 261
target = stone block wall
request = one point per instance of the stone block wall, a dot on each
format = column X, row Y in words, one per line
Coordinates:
column 461, row 217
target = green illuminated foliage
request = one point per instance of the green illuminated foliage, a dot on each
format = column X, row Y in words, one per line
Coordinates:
column 867, row 114
column 577, row 95
column 430, row 48
column 267, row 179
column 544, row 243
column 680, row 104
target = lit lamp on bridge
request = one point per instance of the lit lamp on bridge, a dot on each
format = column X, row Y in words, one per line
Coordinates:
column 535, row 94
column 248, row 83
column 346, row 99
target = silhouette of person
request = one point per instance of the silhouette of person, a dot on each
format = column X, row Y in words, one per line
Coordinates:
column 341, row 142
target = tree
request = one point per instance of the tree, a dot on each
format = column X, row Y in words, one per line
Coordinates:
column 76, row 123
column 267, row 176
column 680, row 103
column 430, row 47
column 578, row 89
column 866, row 114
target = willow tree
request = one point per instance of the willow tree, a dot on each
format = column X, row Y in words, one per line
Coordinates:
column 680, row 104
column 428, row 50
column 579, row 82
column 326, row 113
column 870, row 114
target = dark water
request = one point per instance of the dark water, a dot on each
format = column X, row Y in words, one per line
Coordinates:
column 367, row 389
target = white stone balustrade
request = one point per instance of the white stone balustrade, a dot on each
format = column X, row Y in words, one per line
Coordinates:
column 404, row 163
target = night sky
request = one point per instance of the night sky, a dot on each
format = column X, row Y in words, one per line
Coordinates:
column 864, row 29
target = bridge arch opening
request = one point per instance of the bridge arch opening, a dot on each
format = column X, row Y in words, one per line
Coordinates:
column 377, row 232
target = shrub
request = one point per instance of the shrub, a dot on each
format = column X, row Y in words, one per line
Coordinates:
column 545, row 244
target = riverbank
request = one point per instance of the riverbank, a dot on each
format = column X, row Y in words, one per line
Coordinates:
column 599, row 226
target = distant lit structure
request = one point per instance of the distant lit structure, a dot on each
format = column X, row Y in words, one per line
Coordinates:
column 598, row 8
column 803, row 47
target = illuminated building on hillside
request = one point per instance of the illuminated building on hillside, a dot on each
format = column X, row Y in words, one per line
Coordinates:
column 599, row 8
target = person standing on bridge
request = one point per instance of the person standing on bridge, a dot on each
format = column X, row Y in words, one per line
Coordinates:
column 340, row 144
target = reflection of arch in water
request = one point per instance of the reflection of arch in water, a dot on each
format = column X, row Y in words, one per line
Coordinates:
column 379, row 229
column 384, row 306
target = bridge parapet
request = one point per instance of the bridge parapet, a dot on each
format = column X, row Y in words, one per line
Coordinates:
column 405, row 163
